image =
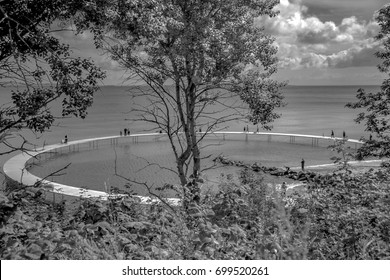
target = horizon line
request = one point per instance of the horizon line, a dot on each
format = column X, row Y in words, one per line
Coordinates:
column 300, row 85
column 294, row 85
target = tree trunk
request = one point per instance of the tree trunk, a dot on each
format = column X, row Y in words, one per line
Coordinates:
column 180, row 169
column 192, row 129
column 196, row 157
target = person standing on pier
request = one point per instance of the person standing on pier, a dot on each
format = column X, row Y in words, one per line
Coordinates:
column 343, row 134
column 303, row 165
column 66, row 139
column 283, row 190
column 332, row 134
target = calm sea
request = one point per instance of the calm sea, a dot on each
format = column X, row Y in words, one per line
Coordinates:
column 310, row 110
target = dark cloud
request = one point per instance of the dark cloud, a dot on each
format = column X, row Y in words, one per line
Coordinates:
column 337, row 10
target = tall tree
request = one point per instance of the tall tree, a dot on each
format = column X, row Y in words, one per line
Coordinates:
column 377, row 105
column 201, row 59
column 38, row 68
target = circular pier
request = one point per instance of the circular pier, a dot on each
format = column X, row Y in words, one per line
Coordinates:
column 15, row 168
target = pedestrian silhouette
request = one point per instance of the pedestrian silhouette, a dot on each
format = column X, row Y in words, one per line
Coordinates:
column 332, row 134
column 66, row 139
column 303, row 164
column 343, row 134
column 283, row 189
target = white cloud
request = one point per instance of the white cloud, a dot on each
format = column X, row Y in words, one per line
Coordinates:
column 306, row 41
column 356, row 56
column 294, row 57
column 106, row 63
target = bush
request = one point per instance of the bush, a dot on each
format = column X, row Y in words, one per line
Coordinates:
column 349, row 217
column 342, row 216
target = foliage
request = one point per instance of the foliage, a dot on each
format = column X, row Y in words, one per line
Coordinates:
column 40, row 68
column 202, row 60
column 344, row 154
column 225, row 225
column 340, row 216
column 351, row 217
column 377, row 105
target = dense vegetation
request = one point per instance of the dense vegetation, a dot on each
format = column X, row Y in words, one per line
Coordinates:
column 346, row 218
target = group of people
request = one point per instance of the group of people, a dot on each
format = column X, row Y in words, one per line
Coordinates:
column 125, row 132
column 332, row 134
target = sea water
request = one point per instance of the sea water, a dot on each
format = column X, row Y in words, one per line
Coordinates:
column 309, row 110
column 315, row 110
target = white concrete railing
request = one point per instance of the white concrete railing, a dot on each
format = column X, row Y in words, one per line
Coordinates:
column 15, row 168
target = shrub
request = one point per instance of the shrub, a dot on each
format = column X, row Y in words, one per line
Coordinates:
column 340, row 216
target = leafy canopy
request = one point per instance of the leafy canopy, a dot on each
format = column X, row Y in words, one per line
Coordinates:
column 377, row 105
column 39, row 67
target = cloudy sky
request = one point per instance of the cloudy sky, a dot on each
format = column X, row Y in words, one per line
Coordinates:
column 321, row 42
column 327, row 42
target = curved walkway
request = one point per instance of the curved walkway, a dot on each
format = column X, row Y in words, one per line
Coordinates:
column 373, row 162
column 15, row 168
